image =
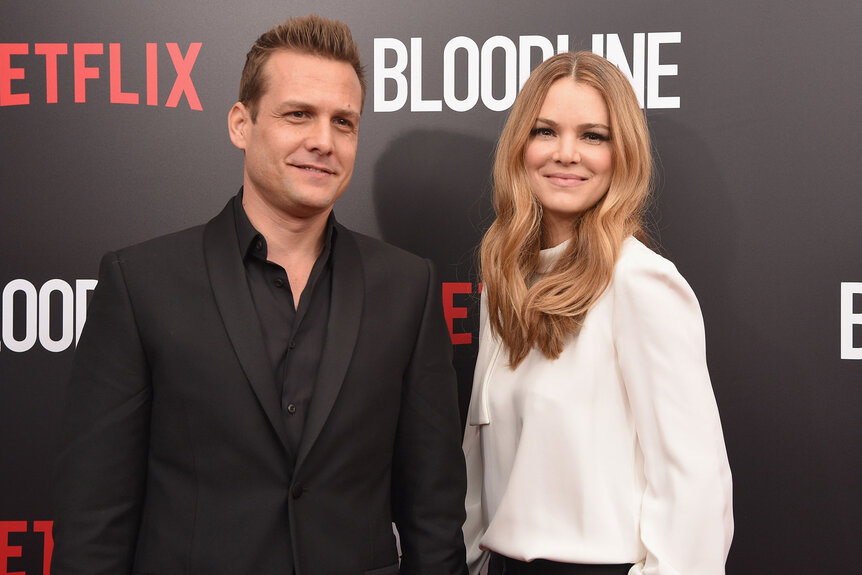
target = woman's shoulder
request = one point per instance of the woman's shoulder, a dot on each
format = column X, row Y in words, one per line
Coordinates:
column 638, row 266
column 636, row 257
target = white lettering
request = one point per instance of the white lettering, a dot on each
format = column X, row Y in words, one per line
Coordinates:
column 68, row 319
column 656, row 70
column 480, row 77
column 31, row 304
column 417, row 104
column 562, row 43
column 382, row 73
column 525, row 52
column 469, row 46
column 849, row 319
column 82, row 289
column 510, row 53
column 615, row 54
column 38, row 311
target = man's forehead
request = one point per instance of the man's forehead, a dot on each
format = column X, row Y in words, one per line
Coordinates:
column 306, row 77
column 288, row 61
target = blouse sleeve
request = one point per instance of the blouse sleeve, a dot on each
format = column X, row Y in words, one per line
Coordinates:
column 475, row 525
column 686, row 520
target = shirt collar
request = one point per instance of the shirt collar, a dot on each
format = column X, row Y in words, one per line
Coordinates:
column 253, row 244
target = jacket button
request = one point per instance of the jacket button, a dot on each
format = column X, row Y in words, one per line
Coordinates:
column 296, row 490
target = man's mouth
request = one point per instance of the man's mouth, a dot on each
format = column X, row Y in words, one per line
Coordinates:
column 315, row 169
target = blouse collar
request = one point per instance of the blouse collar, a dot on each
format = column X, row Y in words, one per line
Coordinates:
column 549, row 256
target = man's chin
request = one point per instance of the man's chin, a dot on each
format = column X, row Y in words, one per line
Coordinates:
column 310, row 210
column 318, row 202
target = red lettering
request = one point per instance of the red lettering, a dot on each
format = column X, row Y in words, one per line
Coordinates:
column 451, row 312
column 8, row 73
column 183, row 83
column 46, row 528
column 9, row 551
column 82, row 72
column 183, row 66
column 115, row 66
column 152, row 74
column 51, row 51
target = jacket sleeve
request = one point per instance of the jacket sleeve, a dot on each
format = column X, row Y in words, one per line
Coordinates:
column 686, row 517
column 101, row 467
column 428, row 466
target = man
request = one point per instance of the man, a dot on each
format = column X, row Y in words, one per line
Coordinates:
column 269, row 392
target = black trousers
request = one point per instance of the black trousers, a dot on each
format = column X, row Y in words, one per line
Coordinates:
column 501, row 565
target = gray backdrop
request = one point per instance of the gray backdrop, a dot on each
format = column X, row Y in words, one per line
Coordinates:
column 758, row 204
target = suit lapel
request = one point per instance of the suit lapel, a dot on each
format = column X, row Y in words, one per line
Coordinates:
column 234, row 302
column 342, row 330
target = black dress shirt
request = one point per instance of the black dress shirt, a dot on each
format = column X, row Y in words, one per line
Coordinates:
column 294, row 336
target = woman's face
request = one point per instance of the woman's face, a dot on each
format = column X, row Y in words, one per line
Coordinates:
column 569, row 157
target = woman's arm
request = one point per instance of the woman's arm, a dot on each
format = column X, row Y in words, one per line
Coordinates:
column 686, row 519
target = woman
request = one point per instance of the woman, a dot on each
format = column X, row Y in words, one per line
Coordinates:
column 593, row 441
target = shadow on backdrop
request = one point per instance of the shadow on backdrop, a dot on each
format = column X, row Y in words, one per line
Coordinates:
column 757, row 384
column 432, row 197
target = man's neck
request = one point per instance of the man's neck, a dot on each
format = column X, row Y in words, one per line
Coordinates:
column 292, row 242
column 285, row 233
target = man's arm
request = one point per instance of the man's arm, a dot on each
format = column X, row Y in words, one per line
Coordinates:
column 429, row 478
column 101, row 467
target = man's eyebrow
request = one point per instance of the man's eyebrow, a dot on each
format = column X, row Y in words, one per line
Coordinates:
column 306, row 106
column 347, row 113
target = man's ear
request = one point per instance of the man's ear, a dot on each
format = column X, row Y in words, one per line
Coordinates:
column 238, row 124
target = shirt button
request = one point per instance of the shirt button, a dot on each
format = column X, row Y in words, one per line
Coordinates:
column 291, row 408
column 278, row 282
column 258, row 245
column 296, row 490
column 292, row 344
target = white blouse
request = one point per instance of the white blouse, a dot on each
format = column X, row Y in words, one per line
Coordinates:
column 612, row 453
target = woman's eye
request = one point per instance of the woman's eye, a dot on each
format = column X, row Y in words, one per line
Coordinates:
column 595, row 137
column 542, row 132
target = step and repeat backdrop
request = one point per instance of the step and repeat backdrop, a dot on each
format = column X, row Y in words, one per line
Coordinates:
column 113, row 130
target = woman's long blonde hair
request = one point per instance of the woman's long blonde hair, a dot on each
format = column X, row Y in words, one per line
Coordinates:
column 528, row 310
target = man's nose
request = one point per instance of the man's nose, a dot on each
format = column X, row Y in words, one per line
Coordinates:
column 319, row 137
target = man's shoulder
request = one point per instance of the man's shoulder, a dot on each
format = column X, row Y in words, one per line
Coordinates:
column 373, row 249
column 171, row 244
column 179, row 243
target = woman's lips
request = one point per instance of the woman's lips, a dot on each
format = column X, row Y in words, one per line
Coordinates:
column 565, row 180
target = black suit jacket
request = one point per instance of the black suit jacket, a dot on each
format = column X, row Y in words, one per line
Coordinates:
column 175, row 458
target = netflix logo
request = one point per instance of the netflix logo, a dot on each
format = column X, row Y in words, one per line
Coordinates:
column 88, row 63
column 457, row 297
column 24, row 543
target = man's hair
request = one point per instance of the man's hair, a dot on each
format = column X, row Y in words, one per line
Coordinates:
column 309, row 35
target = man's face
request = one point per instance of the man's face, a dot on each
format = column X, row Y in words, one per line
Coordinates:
column 300, row 151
